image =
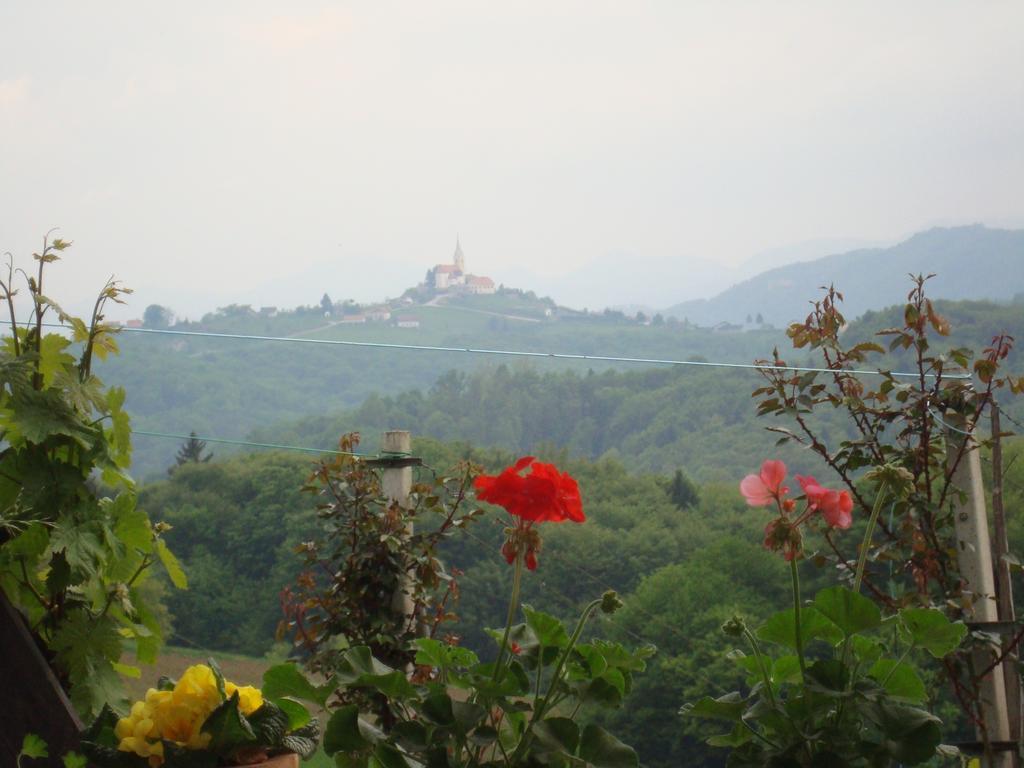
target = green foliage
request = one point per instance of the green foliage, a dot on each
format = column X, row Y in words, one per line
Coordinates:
column 253, row 501
column 908, row 432
column 73, row 556
column 192, row 450
column 842, row 703
column 32, row 747
column 384, row 582
column 157, row 316
column 513, row 713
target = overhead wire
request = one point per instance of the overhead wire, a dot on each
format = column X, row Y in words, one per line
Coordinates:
column 252, row 444
column 517, row 353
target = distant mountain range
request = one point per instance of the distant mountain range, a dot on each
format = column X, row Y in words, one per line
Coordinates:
column 972, row 262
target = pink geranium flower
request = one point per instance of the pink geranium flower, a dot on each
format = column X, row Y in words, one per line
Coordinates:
column 835, row 506
column 762, row 489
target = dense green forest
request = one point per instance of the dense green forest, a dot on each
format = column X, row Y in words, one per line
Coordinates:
column 661, row 549
column 228, row 388
column 650, row 417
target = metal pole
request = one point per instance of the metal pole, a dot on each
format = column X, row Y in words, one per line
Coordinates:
column 974, row 557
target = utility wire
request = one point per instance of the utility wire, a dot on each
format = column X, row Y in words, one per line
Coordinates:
column 250, row 444
column 518, row 353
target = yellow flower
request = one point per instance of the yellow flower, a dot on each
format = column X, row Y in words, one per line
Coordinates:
column 249, row 699
column 178, row 715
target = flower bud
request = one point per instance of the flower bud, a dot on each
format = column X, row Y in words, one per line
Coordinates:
column 610, row 602
column 735, row 627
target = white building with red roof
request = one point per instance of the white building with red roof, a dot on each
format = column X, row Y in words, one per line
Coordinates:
column 447, row 277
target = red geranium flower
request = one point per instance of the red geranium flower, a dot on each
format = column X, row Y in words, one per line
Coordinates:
column 544, row 495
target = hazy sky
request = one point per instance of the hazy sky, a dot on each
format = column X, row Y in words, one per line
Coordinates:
column 204, row 152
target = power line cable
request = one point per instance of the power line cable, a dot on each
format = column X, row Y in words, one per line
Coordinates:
column 519, row 353
column 250, row 444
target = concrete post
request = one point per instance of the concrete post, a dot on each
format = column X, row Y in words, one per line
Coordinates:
column 974, row 556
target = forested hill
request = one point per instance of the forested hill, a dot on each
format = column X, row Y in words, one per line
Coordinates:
column 969, row 263
column 659, row 419
column 229, row 387
column 653, row 416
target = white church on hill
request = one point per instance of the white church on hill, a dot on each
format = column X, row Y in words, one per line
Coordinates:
column 453, row 277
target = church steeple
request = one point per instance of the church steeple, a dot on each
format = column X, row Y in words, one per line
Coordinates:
column 460, row 260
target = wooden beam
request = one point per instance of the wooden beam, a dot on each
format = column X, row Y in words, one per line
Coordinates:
column 35, row 702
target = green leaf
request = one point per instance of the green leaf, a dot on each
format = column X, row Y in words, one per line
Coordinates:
column 434, row 653
column 548, row 630
column 342, row 733
column 74, row 760
column 901, row 680
column 172, row 565
column 41, row 414
column 467, row 714
column 737, row 737
column 297, row 714
column 780, row 628
column 830, row 675
column 437, row 709
column 387, row 756
column 849, row 611
column 33, row 746
column 602, row 750
column 127, row 670
column 556, row 734
column 865, row 649
column 514, row 682
column 358, row 668
column 269, row 723
column 930, row 629
column 728, row 707
column 52, row 356
column 303, row 741
column 30, row 543
column 228, row 727
column 911, row 734
column 287, row 680
column 218, row 675
column 85, row 649
column 412, row 735
column 132, row 526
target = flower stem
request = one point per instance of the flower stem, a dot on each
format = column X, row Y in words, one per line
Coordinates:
column 513, row 607
column 858, row 577
column 761, row 665
column 540, row 709
column 795, row 579
column 538, row 712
